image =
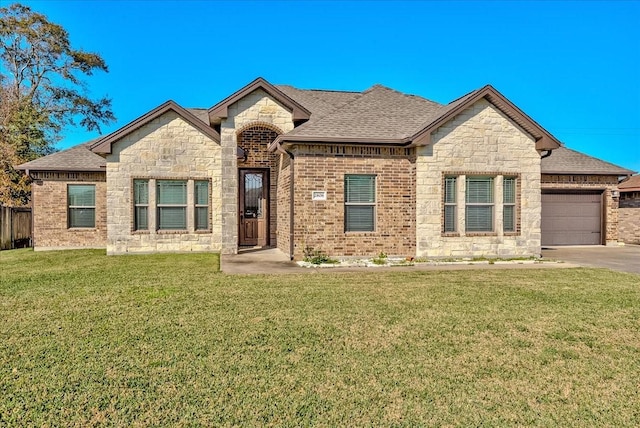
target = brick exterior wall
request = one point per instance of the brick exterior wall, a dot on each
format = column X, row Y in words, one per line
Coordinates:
column 50, row 214
column 166, row 148
column 605, row 183
column 257, row 108
column 284, row 207
column 629, row 218
column 478, row 141
column 255, row 139
column 320, row 224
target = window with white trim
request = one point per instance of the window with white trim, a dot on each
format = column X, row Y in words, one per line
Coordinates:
column 509, row 204
column 171, row 197
column 479, row 206
column 81, row 200
column 359, row 203
column 141, row 204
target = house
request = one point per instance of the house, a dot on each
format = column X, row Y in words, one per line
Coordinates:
column 630, row 210
column 347, row 173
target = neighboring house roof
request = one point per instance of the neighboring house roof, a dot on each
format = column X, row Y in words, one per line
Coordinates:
column 220, row 110
column 631, row 184
column 193, row 116
column 566, row 161
column 76, row 158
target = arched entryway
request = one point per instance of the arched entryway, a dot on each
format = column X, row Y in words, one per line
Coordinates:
column 257, row 181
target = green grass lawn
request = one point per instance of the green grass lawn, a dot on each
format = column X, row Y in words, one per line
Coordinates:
column 87, row 339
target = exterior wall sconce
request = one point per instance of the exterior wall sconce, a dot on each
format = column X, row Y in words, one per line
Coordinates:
column 241, row 154
column 615, row 194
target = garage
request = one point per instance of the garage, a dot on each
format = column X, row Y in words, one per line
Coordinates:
column 571, row 218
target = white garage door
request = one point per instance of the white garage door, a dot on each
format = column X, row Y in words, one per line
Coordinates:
column 571, row 219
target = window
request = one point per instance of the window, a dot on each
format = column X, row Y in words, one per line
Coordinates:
column 360, row 203
column 201, row 201
column 172, row 204
column 82, row 205
column 479, row 204
column 509, row 204
column 450, row 212
column 141, row 204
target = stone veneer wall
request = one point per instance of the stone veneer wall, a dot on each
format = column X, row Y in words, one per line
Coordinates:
column 257, row 107
column 50, row 223
column 629, row 218
column 166, row 148
column 478, row 141
column 605, row 183
column 320, row 224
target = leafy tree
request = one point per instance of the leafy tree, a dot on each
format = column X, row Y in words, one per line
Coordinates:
column 41, row 92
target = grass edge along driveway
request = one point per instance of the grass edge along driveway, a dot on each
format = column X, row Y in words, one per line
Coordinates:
column 88, row 340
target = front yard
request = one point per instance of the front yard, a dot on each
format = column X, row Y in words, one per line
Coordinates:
column 87, row 339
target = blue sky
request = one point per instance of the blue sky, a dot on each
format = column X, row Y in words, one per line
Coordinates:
column 574, row 67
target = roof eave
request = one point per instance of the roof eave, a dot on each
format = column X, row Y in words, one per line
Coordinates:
column 285, row 140
column 59, row 169
column 104, row 145
column 588, row 172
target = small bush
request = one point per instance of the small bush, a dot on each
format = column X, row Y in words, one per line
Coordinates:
column 317, row 257
column 381, row 259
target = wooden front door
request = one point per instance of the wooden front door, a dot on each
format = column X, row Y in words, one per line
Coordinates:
column 254, row 207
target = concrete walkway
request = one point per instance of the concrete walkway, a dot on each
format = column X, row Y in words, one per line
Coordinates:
column 252, row 261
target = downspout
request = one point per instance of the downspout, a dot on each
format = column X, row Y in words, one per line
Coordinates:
column 291, row 189
column 547, row 154
column 31, row 240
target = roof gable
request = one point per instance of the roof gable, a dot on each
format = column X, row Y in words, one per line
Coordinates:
column 104, row 145
column 544, row 140
column 221, row 110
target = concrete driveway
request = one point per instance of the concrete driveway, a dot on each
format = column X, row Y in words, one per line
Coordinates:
column 624, row 258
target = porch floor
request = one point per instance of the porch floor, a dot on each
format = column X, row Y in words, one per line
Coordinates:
column 258, row 260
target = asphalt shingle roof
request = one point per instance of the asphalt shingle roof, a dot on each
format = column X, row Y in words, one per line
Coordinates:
column 567, row 161
column 200, row 113
column 319, row 102
column 76, row 158
column 377, row 113
column 630, row 185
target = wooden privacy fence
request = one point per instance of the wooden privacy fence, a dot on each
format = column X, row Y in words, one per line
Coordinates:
column 15, row 227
